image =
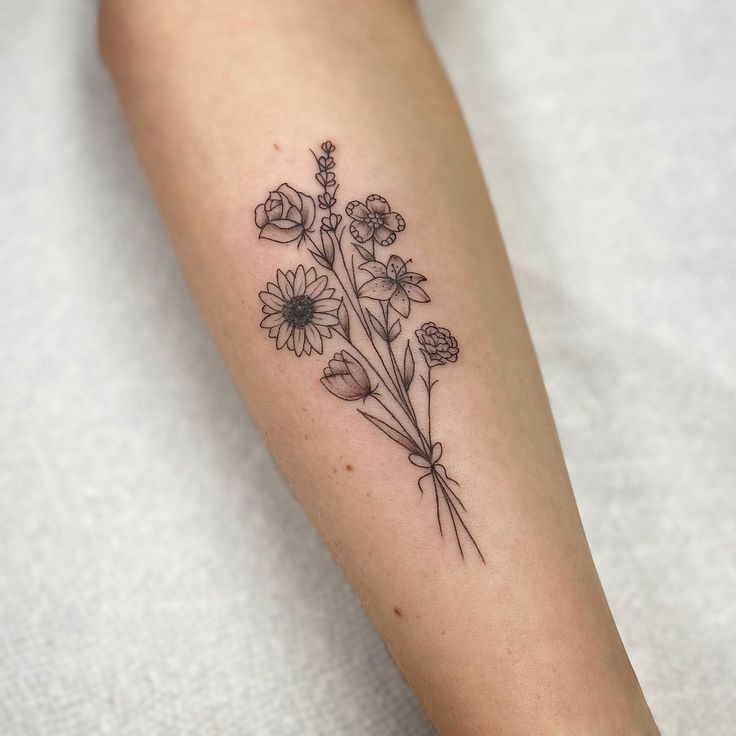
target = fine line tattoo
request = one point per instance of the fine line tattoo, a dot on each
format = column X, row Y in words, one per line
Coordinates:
column 358, row 294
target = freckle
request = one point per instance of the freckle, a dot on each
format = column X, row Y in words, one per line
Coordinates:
column 276, row 147
column 398, row 612
column 348, row 467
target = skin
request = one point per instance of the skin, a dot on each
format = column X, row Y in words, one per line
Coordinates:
column 223, row 100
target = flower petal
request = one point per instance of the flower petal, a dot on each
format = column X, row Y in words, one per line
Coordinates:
column 384, row 236
column 299, row 281
column 299, row 341
column 261, row 216
column 307, row 210
column 326, row 319
column 361, row 231
column 291, row 195
column 271, row 300
column 356, row 371
column 281, row 231
column 374, row 268
column 293, row 215
column 381, row 288
column 284, row 333
column 336, row 365
column 412, row 278
column 280, row 203
column 357, row 210
column 343, row 386
column 415, row 293
column 313, row 337
column 272, row 320
column 395, row 267
column 394, row 221
column 284, row 285
column 326, row 305
column 376, row 203
column 400, row 302
column 311, row 275
column 316, row 287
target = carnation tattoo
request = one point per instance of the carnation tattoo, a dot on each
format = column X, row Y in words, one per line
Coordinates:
column 356, row 293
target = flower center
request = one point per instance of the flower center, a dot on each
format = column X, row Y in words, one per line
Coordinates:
column 375, row 219
column 299, row 310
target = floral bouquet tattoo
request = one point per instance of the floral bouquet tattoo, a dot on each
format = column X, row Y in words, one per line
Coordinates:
column 356, row 292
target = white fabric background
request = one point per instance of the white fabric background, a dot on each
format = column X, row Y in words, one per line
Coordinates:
column 156, row 577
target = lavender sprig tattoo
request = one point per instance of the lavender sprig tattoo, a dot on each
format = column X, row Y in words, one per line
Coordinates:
column 365, row 306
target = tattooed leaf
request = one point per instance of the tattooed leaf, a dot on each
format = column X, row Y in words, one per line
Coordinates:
column 408, row 366
column 321, row 259
column 378, row 326
column 344, row 319
column 328, row 246
column 394, row 331
column 395, row 434
column 365, row 254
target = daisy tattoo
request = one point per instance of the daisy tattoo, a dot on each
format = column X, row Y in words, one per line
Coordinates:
column 363, row 300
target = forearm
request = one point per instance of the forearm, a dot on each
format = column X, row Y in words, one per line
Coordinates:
column 472, row 564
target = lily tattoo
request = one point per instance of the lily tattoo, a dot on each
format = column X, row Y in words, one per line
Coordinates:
column 353, row 294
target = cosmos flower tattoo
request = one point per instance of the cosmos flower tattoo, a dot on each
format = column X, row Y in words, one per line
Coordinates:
column 374, row 220
column 361, row 300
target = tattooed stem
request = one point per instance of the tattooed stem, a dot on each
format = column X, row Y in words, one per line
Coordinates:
column 399, row 381
column 428, row 384
column 455, row 514
column 393, row 416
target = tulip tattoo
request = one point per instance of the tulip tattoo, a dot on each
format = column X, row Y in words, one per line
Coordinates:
column 346, row 378
column 361, row 300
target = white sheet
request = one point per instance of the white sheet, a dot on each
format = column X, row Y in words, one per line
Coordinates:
column 156, row 577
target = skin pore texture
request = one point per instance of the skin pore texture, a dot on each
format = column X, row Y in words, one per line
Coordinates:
column 448, row 506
